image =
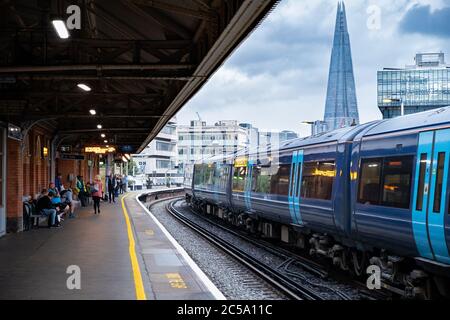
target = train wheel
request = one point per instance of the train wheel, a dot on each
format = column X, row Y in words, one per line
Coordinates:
column 359, row 260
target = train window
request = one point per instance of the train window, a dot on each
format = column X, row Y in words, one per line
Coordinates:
column 318, row 178
column 438, row 186
column 396, row 177
column 239, row 179
column 279, row 183
column 421, row 182
column 198, row 175
column 369, row 185
column 292, row 179
column 299, row 176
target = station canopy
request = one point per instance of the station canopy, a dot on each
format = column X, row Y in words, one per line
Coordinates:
column 142, row 60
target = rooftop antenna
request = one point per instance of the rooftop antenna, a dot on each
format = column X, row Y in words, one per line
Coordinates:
column 198, row 115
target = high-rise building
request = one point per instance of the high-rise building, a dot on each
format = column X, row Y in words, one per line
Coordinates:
column 341, row 109
column 419, row 87
column 159, row 160
column 200, row 141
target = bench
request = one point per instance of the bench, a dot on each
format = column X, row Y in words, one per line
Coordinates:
column 31, row 217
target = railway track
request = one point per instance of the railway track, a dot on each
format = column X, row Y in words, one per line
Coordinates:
column 279, row 277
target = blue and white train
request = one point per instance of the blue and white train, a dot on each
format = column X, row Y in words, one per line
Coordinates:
column 372, row 194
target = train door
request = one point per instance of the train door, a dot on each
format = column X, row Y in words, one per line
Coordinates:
column 248, row 186
column 429, row 214
column 2, row 181
column 295, row 186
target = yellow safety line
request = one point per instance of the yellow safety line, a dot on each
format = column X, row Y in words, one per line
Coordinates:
column 138, row 284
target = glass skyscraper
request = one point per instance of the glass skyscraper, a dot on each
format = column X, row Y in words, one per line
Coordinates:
column 341, row 109
column 420, row 87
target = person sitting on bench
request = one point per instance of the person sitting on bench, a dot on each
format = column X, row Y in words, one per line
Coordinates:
column 67, row 198
column 45, row 207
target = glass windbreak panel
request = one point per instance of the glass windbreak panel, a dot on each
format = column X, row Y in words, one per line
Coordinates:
column 396, row 189
column 438, row 185
column 317, row 180
column 421, row 181
column 369, row 183
column 279, row 183
column 239, row 179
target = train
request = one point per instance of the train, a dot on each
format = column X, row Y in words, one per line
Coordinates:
column 375, row 194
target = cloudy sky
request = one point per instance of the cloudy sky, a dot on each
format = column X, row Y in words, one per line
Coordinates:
column 278, row 77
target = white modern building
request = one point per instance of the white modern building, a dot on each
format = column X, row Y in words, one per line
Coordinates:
column 159, row 160
column 200, row 141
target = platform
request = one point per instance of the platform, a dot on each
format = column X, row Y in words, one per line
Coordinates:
column 123, row 253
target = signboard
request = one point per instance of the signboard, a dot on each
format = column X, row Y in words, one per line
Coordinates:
column 66, row 148
column 14, row 132
column 66, row 156
column 99, row 150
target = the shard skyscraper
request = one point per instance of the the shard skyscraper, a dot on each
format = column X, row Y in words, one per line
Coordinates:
column 341, row 109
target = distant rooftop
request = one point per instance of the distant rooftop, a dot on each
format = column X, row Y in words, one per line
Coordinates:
column 426, row 61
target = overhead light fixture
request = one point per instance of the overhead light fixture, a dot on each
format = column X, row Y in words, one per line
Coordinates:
column 105, row 141
column 124, row 159
column 127, row 156
column 99, row 126
column 61, row 28
column 103, row 135
column 107, row 146
column 84, row 87
column 93, row 112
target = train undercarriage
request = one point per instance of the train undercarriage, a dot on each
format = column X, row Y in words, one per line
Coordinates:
column 377, row 268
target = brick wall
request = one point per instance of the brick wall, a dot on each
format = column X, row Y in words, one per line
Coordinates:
column 14, row 187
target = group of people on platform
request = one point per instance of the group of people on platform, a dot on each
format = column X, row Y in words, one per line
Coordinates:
column 59, row 199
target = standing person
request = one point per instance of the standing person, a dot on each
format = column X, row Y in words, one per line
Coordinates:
column 82, row 192
column 111, row 188
column 125, row 183
column 97, row 193
column 120, row 184
column 58, row 182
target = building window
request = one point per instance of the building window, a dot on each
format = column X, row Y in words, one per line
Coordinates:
column 163, row 164
column 164, row 146
column 317, row 180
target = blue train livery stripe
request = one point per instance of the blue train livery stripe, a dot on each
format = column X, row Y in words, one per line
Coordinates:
column 436, row 220
column 419, row 217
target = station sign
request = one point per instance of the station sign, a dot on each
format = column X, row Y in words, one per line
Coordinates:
column 66, row 148
column 66, row 156
column 14, row 132
column 99, row 150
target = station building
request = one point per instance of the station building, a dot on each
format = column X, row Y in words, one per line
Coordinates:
column 419, row 87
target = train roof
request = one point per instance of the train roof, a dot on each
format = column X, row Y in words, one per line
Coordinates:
column 338, row 135
column 419, row 120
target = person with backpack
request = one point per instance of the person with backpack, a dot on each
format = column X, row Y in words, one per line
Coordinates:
column 97, row 193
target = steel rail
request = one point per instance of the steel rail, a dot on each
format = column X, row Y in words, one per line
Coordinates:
column 283, row 283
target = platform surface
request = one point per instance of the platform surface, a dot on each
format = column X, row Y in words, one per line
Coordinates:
column 33, row 264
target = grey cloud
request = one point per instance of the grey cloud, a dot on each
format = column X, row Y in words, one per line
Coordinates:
column 421, row 19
